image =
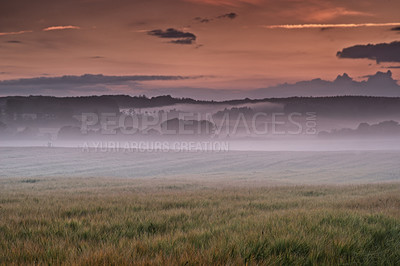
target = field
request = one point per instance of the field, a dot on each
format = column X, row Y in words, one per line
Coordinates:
column 229, row 168
column 67, row 206
column 185, row 222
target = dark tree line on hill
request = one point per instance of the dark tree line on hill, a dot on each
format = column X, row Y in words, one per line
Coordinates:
column 385, row 128
column 64, row 108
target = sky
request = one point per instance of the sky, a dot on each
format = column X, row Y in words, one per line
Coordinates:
column 157, row 46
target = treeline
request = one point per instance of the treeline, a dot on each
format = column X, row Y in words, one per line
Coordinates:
column 61, row 108
column 385, row 128
column 343, row 106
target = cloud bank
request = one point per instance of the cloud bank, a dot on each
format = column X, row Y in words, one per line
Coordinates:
column 382, row 52
column 82, row 85
column 87, row 79
column 379, row 84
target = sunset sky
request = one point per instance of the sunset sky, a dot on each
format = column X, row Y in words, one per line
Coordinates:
column 198, row 44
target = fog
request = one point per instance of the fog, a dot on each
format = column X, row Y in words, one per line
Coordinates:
column 273, row 167
column 174, row 124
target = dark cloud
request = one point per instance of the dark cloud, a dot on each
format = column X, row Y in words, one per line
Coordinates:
column 96, row 57
column 391, row 67
column 79, row 85
column 202, row 20
column 171, row 33
column 86, row 79
column 13, row 41
column 382, row 52
column 183, row 41
column 396, row 29
column 228, row 15
column 207, row 20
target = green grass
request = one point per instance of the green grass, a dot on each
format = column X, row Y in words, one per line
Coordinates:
column 103, row 221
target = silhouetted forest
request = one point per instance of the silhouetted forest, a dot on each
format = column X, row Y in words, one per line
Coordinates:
column 385, row 128
column 52, row 108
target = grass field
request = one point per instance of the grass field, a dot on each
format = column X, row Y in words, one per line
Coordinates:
column 156, row 221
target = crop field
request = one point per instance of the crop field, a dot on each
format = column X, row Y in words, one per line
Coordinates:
column 143, row 221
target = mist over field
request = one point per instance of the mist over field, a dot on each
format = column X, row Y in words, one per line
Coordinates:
column 225, row 167
column 288, row 140
column 199, row 132
column 167, row 123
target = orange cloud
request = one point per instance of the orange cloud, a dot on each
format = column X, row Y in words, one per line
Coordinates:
column 70, row 27
column 331, row 13
column 351, row 25
column 15, row 32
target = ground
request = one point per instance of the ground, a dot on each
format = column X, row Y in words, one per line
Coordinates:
column 185, row 222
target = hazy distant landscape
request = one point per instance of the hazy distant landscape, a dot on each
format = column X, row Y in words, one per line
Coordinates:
column 163, row 180
column 314, row 123
column 199, row 132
